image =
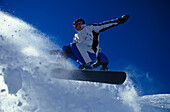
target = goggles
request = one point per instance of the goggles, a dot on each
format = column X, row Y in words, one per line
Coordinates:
column 77, row 23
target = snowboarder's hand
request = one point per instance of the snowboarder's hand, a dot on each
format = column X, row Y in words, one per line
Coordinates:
column 123, row 19
column 54, row 52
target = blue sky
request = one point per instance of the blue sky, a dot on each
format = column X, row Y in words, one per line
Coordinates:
column 142, row 42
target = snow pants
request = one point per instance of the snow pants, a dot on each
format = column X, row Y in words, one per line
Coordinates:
column 83, row 54
column 80, row 53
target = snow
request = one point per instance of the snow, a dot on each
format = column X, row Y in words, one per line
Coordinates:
column 26, row 86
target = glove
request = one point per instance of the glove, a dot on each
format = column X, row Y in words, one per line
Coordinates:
column 54, row 52
column 123, row 19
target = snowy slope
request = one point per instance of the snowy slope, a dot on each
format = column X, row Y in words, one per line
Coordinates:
column 26, row 86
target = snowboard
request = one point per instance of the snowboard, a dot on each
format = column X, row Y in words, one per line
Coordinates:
column 109, row 77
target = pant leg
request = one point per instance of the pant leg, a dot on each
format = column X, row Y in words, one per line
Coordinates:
column 67, row 53
column 103, row 61
column 83, row 53
column 103, row 58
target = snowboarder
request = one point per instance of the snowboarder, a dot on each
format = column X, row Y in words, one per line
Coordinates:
column 84, row 48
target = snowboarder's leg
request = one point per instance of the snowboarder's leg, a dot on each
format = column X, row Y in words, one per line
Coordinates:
column 84, row 54
column 97, row 63
column 101, row 60
column 67, row 53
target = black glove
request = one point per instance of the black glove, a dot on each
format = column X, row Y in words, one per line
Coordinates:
column 123, row 19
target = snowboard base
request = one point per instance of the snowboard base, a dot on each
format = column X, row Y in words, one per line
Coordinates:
column 109, row 77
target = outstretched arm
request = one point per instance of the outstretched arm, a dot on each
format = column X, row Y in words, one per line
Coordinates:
column 54, row 52
column 109, row 24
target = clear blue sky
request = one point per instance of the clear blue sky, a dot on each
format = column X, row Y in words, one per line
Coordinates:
column 143, row 41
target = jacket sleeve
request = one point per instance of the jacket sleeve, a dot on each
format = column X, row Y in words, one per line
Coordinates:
column 105, row 25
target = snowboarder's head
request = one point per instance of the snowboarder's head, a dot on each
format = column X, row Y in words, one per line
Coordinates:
column 77, row 24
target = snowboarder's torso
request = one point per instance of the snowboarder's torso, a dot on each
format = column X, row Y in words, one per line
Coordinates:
column 84, row 36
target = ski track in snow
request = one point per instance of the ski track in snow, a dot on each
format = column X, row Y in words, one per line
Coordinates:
column 26, row 86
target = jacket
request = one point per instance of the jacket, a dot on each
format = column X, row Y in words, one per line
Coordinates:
column 89, row 34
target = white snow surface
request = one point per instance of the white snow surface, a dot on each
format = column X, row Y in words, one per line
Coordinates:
column 26, row 86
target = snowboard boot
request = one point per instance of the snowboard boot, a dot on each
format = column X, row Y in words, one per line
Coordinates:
column 86, row 67
column 104, row 67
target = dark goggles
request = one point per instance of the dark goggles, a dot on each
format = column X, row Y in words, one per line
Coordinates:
column 77, row 23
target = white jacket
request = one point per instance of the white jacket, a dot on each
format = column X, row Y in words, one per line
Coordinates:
column 89, row 34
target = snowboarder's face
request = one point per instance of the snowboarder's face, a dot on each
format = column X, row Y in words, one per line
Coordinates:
column 78, row 26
